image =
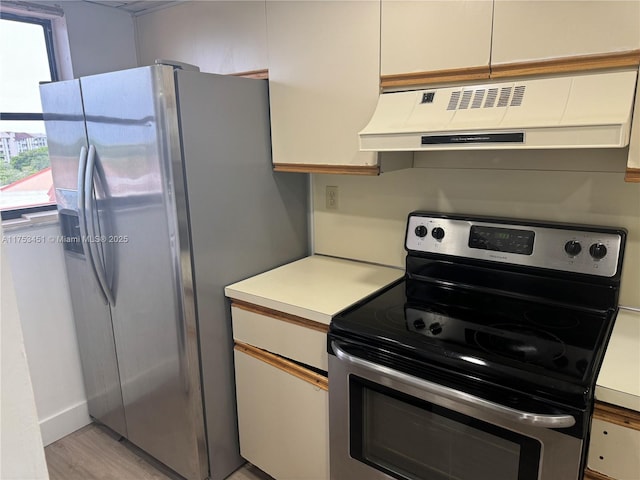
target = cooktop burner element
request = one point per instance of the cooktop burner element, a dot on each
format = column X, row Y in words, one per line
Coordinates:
column 511, row 302
column 521, row 343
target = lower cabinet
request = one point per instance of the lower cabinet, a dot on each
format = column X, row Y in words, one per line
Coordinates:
column 282, row 415
column 614, row 448
column 282, row 392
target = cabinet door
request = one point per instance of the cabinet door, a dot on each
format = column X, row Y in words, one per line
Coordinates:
column 539, row 29
column 323, row 80
column 421, row 36
column 282, row 421
column 613, row 450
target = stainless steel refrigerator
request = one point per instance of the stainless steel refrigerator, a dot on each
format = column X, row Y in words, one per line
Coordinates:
column 166, row 194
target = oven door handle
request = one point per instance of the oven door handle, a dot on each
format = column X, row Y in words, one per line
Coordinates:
column 519, row 416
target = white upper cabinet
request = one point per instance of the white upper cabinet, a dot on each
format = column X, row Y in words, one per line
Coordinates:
column 537, row 29
column 219, row 37
column 323, row 80
column 425, row 35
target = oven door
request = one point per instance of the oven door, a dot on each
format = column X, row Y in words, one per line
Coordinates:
column 385, row 424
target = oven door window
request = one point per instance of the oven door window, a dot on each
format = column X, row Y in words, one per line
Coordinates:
column 410, row 439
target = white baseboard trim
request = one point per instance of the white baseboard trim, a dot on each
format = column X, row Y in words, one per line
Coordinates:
column 63, row 423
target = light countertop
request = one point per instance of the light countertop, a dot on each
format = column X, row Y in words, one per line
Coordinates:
column 319, row 287
column 316, row 287
column 619, row 379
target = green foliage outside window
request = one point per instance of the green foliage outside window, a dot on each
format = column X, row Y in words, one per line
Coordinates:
column 23, row 165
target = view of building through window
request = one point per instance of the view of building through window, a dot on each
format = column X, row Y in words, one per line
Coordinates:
column 25, row 175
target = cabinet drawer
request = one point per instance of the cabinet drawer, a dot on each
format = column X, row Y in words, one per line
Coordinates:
column 293, row 337
column 283, row 419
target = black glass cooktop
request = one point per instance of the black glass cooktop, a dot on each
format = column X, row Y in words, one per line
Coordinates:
column 488, row 334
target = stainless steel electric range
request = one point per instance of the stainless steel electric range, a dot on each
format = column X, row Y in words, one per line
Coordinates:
column 481, row 363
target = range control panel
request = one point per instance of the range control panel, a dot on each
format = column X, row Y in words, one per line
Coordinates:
column 566, row 248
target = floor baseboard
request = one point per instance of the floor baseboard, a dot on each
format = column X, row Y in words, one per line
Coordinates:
column 64, row 423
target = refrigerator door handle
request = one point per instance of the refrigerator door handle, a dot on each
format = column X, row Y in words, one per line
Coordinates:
column 94, row 238
column 82, row 219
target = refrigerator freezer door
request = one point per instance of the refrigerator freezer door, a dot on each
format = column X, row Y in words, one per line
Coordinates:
column 96, row 345
column 66, row 136
column 132, row 124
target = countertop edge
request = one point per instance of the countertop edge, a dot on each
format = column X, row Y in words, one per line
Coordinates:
column 618, row 398
column 351, row 280
column 279, row 306
column 618, row 382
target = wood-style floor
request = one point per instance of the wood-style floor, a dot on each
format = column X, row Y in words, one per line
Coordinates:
column 93, row 453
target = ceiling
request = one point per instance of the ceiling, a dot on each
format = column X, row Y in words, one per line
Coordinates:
column 135, row 7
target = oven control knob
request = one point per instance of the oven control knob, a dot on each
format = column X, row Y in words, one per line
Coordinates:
column 598, row 251
column 572, row 248
column 435, row 328
column 419, row 324
column 437, row 233
column 421, row 231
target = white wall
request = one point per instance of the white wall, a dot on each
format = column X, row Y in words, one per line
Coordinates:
column 42, row 292
column 372, row 211
column 219, row 36
column 101, row 39
column 22, row 455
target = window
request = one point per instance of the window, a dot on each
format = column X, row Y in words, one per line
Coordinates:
column 26, row 59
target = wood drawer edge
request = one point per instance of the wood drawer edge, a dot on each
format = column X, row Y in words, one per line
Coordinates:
column 617, row 415
column 593, row 475
column 285, row 365
column 632, row 175
column 370, row 170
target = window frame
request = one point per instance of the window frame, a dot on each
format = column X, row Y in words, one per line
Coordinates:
column 47, row 27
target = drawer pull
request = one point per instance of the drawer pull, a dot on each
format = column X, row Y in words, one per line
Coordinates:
column 287, row 366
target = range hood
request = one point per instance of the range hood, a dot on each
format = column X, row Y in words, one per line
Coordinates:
column 591, row 110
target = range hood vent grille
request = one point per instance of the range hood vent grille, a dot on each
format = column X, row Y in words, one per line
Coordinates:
column 563, row 111
column 453, row 101
column 518, row 96
column 477, row 100
column 466, row 98
column 462, row 100
column 492, row 96
column 505, row 94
